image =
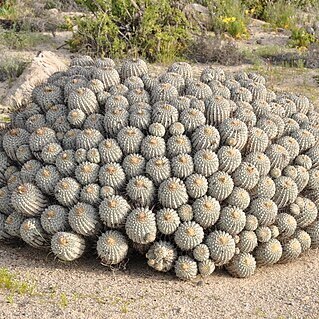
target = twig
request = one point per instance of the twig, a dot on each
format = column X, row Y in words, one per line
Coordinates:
column 61, row 46
column 134, row 4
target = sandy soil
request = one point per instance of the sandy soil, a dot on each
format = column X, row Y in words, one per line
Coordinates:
column 85, row 289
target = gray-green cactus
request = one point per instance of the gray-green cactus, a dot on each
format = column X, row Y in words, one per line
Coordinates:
column 167, row 221
column 265, row 210
column 141, row 191
column 221, row 168
column 217, row 109
column 201, row 252
column 291, row 249
column 239, row 198
column 172, row 193
column 55, row 219
column 242, row 265
column 182, row 68
column 5, row 201
column 205, row 162
column 185, row 212
column 263, row 234
column 158, row 168
column 12, row 224
column 286, row 224
column 221, row 246
column 205, row 137
column 140, row 226
column 196, row 185
column 191, row 118
column 161, row 256
column 220, row 185
column 234, row 132
column 268, row 253
column 286, row 191
column 112, row 174
column 67, row 246
column 4, row 236
column 28, row 200
column 112, row 247
column 303, row 238
column 29, row 171
column 206, row 267
column 306, row 212
column 83, row 219
column 133, row 165
column 229, row 159
column 231, row 220
column 247, row 241
column 185, row 268
column 188, row 235
column 33, row 234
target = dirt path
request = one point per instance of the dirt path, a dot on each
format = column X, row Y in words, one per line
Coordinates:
column 86, row 289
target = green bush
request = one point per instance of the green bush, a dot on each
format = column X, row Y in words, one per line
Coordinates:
column 301, row 39
column 260, row 6
column 280, row 14
column 155, row 30
column 8, row 9
column 229, row 16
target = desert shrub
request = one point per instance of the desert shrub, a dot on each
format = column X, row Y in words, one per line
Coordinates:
column 260, row 6
column 12, row 67
column 21, row 40
column 156, row 30
column 208, row 49
column 312, row 56
column 229, row 16
column 8, row 9
column 301, row 39
column 281, row 14
column 30, row 15
column 98, row 37
column 64, row 5
column 306, row 3
column 15, row 10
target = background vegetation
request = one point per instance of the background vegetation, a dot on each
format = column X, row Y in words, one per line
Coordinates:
column 157, row 30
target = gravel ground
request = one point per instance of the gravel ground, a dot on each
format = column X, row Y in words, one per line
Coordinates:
column 85, row 289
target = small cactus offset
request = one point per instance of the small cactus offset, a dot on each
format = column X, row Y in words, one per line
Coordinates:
column 192, row 173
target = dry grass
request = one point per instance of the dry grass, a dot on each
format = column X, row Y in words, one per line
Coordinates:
column 209, row 49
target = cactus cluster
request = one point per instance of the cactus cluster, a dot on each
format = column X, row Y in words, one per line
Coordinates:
column 191, row 173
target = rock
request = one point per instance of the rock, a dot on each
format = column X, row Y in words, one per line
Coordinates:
column 42, row 66
column 316, row 26
column 310, row 30
column 53, row 12
column 198, row 15
column 280, row 30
